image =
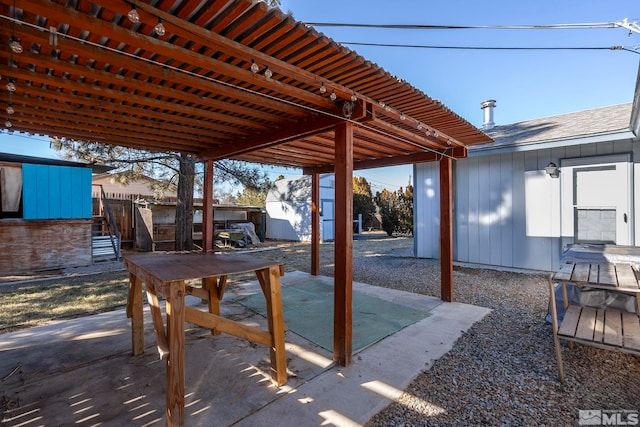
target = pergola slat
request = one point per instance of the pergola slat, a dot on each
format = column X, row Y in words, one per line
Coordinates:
column 88, row 73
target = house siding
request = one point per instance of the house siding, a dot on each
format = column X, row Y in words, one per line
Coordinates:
column 490, row 206
column 56, row 192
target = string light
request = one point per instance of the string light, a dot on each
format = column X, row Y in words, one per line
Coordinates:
column 10, row 109
column 254, row 67
column 159, row 28
column 133, row 15
column 268, row 73
column 403, row 117
column 15, row 45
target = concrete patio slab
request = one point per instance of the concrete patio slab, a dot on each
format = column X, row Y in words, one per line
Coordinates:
column 81, row 371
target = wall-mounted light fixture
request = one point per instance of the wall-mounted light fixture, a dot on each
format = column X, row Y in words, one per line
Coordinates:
column 552, row 170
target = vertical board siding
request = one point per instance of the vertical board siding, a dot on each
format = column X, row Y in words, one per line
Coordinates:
column 474, row 231
column 29, row 194
column 42, row 192
column 518, row 210
column 490, row 206
column 56, row 192
column 427, row 243
column 461, row 210
column 66, row 183
column 483, row 213
column 494, row 214
column 506, row 214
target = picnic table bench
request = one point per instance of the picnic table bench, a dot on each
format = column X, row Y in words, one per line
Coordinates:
column 606, row 328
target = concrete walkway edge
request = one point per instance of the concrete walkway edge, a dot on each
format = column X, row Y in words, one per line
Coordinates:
column 351, row 396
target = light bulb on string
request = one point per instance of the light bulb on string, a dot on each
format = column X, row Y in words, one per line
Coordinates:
column 8, row 124
column 15, row 46
column 133, row 15
column 10, row 109
column 354, row 97
column 333, row 95
column 159, row 28
column 268, row 73
column 11, row 86
column 254, row 67
column 323, row 88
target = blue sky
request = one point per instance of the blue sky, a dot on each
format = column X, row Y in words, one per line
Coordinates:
column 526, row 84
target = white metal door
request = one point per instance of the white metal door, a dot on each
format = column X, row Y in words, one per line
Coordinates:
column 596, row 202
column 327, row 210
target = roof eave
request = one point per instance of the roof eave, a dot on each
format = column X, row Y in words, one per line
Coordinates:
column 613, row 136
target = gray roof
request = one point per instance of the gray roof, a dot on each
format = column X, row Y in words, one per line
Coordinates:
column 586, row 123
column 19, row 158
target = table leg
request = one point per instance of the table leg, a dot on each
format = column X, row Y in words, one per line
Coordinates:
column 175, row 361
column 210, row 284
column 275, row 319
column 135, row 312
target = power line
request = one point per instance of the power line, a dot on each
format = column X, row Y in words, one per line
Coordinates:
column 593, row 25
column 488, row 47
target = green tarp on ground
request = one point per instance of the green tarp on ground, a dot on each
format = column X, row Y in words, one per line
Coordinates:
column 308, row 312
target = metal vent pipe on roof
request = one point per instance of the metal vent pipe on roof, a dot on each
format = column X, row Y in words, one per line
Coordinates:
column 488, row 107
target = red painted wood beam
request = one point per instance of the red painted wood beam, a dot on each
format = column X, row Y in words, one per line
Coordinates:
column 343, row 274
column 446, row 229
column 207, row 207
column 315, row 224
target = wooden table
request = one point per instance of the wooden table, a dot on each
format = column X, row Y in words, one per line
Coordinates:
column 607, row 328
column 165, row 275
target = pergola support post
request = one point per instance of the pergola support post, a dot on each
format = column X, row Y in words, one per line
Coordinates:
column 207, row 207
column 315, row 224
column 343, row 274
column 446, row 229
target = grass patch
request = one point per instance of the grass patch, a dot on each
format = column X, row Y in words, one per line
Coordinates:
column 36, row 303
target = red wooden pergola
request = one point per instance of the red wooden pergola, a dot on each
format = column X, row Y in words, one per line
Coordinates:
column 226, row 79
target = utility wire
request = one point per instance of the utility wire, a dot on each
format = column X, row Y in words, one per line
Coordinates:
column 593, row 25
column 488, row 48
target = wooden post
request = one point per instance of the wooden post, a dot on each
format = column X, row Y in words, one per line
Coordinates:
column 446, row 229
column 343, row 275
column 175, row 361
column 135, row 312
column 207, row 207
column 315, row 224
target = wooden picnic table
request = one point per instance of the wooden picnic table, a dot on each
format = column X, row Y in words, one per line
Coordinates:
column 166, row 275
column 606, row 328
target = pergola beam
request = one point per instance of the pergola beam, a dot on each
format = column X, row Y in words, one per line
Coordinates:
column 430, row 156
column 316, row 125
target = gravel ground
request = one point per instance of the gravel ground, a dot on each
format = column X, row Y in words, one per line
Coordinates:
column 502, row 372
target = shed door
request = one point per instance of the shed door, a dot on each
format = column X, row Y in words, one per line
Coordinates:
column 599, row 208
column 328, row 224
